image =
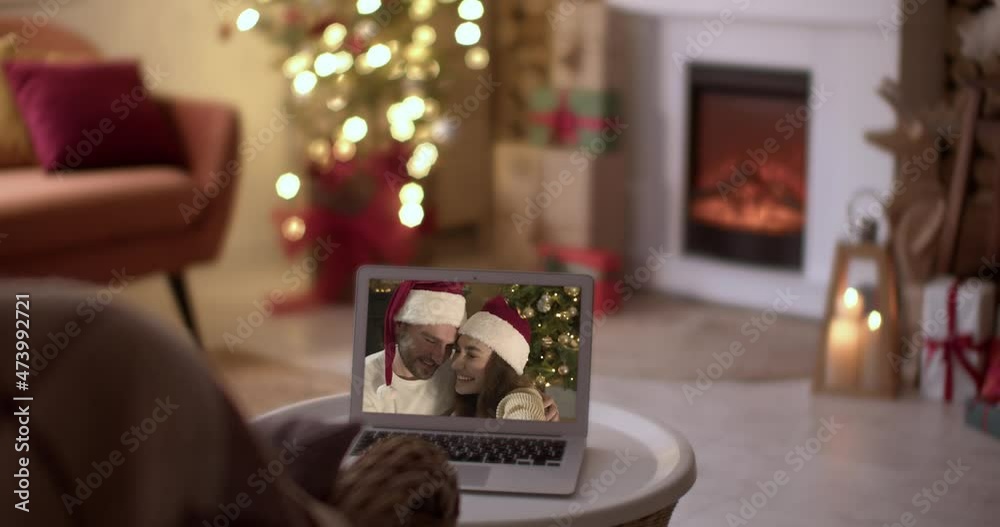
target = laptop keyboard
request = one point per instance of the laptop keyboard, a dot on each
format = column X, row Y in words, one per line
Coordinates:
column 478, row 448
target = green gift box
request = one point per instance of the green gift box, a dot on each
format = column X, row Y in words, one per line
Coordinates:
column 584, row 118
column 983, row 416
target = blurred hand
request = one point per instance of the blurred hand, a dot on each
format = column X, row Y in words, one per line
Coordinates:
column 551, row 408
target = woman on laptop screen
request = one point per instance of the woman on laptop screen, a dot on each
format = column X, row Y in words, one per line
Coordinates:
column 489, row 360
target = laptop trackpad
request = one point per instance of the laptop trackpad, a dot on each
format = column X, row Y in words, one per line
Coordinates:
column 472, row 475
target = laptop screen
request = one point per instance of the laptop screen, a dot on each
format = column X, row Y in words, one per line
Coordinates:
column 488, row 350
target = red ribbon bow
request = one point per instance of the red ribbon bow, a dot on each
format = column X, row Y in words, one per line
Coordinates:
column 565, row 124
column 953, row 348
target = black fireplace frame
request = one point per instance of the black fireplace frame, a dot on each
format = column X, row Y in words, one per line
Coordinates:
column 783, row 252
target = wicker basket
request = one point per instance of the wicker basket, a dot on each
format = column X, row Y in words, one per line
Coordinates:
column 660, row 518
column 401, row 481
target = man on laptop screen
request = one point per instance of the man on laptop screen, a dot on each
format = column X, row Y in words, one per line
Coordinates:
column 410, row 374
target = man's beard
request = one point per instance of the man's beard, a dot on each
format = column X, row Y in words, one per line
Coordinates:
column 405, row 345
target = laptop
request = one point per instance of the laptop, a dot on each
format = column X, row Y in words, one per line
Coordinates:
column 486, row 357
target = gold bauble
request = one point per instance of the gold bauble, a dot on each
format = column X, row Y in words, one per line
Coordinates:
column 540, row 380
column 572, row 311
column 572, row 291
column 563, row 369
column 547, row 341
column 528, row 312
column 550, row 356
column 564, row 339
column 544, row 305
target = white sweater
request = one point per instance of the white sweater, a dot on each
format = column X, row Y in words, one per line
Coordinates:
column 522, row 403
column 434, row 396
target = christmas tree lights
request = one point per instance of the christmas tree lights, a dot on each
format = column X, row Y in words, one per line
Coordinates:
column 554, row 314
column 364, row 75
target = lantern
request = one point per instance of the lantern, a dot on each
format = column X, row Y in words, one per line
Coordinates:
column 860, row 337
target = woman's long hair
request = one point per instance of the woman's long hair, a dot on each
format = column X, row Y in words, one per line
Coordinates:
column 499, row 380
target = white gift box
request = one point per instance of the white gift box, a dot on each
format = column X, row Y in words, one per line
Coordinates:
column 975, row 308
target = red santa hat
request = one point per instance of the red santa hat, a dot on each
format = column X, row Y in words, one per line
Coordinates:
column 500, row 327
column 421, row 303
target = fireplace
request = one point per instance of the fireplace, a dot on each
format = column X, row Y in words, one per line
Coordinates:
column 747, row 176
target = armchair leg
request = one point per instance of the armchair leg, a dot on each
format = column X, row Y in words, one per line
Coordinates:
column 178, row 286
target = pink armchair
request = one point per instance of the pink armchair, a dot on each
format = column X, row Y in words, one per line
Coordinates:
column 148, row 219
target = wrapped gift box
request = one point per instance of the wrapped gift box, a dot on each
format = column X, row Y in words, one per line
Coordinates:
column 984, row 416
column 958, row 321
column 583, row 118
column 559, row 197
column 589, row 45
column 517, row 170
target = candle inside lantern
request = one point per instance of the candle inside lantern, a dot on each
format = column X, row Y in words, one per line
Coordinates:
column 842, row 352
column 868, row 345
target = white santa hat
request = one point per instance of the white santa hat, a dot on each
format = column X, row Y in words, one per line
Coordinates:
column 500, row 327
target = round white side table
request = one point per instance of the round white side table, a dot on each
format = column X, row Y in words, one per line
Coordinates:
column 634, row 470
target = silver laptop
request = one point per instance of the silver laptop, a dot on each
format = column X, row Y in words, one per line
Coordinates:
column 459, row 377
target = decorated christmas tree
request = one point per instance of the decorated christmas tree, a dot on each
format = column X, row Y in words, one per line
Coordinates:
column 365, row 81
column 554, row 314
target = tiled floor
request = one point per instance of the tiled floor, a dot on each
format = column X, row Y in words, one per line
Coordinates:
column 744, row 428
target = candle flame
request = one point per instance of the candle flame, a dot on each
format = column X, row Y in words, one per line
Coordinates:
column 851, row 297
column 874, row 320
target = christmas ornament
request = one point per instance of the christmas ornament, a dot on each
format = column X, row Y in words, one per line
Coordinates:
column 540, row 380
column 547, row 341
column 544, row 305
column 572, row 311
column 572, row 291
column 563, row 369
column 564, row 339
column 528, row 312
column 550, row 356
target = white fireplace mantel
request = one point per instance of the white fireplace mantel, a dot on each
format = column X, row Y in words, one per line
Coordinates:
column 844, row 47
column 812, row 12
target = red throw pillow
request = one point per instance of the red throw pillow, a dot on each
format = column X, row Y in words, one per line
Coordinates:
column 91, row 115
